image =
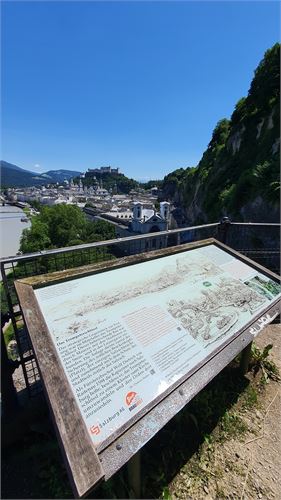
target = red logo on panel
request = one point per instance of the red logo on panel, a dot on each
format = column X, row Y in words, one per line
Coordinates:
column 130, row 397
column 95, row 429
column 133, row 400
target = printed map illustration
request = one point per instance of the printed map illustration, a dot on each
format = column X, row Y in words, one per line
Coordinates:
column 264, row 286
column 184, row 268
column 216, row 311
column 129, row 284
column 191, row 286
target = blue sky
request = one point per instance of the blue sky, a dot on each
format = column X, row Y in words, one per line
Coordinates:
column 134, row 85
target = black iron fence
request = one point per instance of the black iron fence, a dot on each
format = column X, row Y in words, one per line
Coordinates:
column 260, row 242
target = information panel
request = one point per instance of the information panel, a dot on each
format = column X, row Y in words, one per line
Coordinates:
column 125, row 336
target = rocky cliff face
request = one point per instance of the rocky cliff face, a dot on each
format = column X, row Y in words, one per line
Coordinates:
column 238, row 174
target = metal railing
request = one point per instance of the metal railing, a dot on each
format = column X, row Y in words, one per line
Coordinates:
column 260, row 242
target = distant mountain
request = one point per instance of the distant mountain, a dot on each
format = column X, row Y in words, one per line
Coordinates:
column 61, row 175
column 15, row 167
column 14, row 176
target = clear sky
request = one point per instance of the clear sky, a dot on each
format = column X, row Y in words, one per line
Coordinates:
column 134, row 85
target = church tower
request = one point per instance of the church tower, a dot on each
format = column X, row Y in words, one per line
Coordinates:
column 137, row 210
column 165, row 210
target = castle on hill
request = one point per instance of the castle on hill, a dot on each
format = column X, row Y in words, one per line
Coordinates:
column 103, row 170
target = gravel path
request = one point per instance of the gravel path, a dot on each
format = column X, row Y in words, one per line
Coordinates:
column 247, row 467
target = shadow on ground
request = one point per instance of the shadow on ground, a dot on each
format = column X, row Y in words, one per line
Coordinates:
column 164, row 456
column 32, row 465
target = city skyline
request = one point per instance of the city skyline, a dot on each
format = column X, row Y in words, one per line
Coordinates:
column 138, row 86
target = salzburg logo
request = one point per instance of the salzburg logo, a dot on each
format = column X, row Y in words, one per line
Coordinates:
column 95, row 429
column 133, row 400
column 130, row 397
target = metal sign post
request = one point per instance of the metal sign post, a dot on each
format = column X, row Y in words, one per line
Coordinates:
column 134, row 475
column 245, row 359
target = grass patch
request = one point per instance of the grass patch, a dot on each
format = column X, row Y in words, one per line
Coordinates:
column 251, row 398
column 9, row 334
column 231, row 426
column 261, row 361
column 26, row 210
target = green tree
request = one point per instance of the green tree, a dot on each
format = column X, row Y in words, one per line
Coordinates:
column 36, row 205
column 62, row 226
column 36, row 238
column 98, row 231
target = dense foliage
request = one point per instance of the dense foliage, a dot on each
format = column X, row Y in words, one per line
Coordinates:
column 110, row 181
column 61, row 226
column 241, row 161
column 150, row 184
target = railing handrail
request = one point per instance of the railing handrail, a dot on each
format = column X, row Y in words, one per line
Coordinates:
column 133, row 243
column 100, row 244
column 256, row 224
column 104, row 243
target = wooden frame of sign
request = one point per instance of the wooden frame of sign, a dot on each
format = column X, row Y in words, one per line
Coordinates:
column 89, row 460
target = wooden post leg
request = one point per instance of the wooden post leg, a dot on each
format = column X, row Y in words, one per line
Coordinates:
column 134, row 475
column 245, row 359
